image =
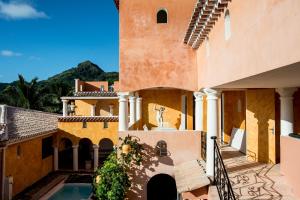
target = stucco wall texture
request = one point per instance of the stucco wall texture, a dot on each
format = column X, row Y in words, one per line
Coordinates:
column 171, row 100
column 260, row 124
column 264, row 36
column 29, row 167
column 83, row 107
column 182, row 146
column 154, row 55
column 234, row 112
column 95, row 131
column 289, row 154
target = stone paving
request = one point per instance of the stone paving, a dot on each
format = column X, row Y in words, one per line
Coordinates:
column 253, row 180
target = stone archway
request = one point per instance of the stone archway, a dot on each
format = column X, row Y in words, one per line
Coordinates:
column 161, row 187
column 85, row 154
column 65, row 154
column 106, row 146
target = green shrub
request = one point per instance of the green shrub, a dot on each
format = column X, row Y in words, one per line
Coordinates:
column 113, row 181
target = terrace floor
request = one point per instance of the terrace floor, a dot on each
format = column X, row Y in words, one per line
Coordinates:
column 253, row 180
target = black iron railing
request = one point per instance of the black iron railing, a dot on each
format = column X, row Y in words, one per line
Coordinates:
column 221, row 179
column 203, row 145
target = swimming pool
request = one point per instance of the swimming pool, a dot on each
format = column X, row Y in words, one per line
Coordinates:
column 72, row 191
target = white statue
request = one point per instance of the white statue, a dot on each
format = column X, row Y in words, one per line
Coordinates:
column 159, row 116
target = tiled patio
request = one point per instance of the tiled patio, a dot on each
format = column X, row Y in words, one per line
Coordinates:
column 252, row 180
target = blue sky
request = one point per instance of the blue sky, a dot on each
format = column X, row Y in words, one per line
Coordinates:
column 44, row 37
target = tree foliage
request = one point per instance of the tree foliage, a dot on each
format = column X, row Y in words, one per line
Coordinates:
column 45, row 95
column 112, row 180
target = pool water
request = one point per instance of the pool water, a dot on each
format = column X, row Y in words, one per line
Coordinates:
column 73, row 192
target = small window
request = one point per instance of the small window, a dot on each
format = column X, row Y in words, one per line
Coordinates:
column 105, row 125
column 227, row 25
column 84, row 124
column 161, row 148
column 162, row 16
column 47, row 149
column 19, row 151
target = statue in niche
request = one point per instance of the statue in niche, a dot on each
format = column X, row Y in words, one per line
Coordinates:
column 159, row 116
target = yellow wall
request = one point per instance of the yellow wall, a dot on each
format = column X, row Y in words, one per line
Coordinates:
column 234, row 117
column 29, row 167
column 83, row 107
column 94, row 131
column 260, row 120
column 171, row 100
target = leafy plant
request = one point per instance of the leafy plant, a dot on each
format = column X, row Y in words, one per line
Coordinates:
column 112, row 180
column 134, row 156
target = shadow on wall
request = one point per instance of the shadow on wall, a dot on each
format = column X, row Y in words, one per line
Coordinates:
column 151, row 160
column 261, row 125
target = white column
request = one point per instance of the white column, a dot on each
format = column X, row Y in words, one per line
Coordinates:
column 199, row 111
column 76, row 85
column 55, row 158
column 286, row 110
column 65, row 107
column 123, row 111
column 138, row 108
column 212, row 128
column 183, row 113
column 111, row 110
column 93, row 110
column 132, row 118
column 75, row 157
column 96, row 156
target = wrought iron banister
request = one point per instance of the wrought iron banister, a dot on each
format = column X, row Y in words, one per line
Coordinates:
column 221, row 179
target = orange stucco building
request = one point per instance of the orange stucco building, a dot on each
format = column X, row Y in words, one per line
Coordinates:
column 228, row 68
column 191, row 71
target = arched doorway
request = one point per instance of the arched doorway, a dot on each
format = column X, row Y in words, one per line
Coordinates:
column 65, row 154
column 85, row 154
column 106, row 146
column 161, row 187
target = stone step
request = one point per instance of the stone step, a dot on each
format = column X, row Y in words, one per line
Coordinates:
column 213, row 193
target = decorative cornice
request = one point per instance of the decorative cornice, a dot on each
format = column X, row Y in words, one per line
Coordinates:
column 89, row 119
column 204, row 17
column 95, row 94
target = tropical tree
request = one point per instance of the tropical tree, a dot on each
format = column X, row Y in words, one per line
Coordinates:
column 51, row 94
column 22, row 94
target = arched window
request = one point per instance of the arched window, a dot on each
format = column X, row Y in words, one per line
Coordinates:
column 19, row 151
column 227, row 25
column 162, row 16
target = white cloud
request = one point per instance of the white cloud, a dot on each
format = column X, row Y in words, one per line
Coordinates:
column 19, row 10
column 8, row 53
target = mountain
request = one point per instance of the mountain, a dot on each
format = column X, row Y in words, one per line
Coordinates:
column 3, row 85
column 45, row 95
column 86, row 71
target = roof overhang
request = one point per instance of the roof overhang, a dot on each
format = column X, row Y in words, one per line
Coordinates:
column 117, row 2
column 205, row 15
column 89, row 119
column 87, row 98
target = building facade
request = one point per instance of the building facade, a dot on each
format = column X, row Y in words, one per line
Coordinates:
column 87, row 131
column 26, row 148
column 228, row 68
